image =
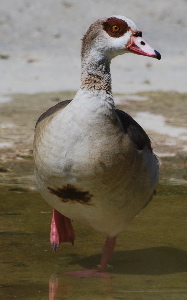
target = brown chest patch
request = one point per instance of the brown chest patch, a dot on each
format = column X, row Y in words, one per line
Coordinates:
column 115, row 27
column 71, row 193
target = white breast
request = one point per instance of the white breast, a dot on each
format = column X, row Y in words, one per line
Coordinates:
column 82, row 147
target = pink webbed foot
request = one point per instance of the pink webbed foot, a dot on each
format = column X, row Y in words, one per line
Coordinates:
column 108, row 250
column 61, row 230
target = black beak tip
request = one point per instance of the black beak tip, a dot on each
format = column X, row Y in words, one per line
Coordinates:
column 157, row 55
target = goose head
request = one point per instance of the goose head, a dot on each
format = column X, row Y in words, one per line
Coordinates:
column 116, row 35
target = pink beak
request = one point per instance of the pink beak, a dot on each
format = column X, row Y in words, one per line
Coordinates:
column 139, row 46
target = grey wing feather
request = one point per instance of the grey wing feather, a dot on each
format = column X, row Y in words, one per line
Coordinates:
column 135, row 132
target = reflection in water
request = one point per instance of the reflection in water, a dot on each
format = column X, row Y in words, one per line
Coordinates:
column 66, row 288
column 53, row 286
column 150, row 261
column 133, row 274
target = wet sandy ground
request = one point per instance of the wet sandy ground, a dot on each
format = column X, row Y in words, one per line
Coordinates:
column 150, row 260
column 161, row 114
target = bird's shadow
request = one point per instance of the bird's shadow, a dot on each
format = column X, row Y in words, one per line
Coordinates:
column 149, row 261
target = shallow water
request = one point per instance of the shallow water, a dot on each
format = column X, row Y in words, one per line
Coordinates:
column 150, row 259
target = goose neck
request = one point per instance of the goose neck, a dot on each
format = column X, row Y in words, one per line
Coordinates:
column 96, row 73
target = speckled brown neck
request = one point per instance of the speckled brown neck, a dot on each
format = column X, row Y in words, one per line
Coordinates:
column 96, row 76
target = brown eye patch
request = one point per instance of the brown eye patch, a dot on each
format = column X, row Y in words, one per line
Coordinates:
column 115, row 27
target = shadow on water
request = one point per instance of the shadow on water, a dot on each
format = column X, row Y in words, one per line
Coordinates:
column 150, row 261
column 150, row 256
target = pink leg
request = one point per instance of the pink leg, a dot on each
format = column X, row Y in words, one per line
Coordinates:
column 108, row 250
column 61, row 230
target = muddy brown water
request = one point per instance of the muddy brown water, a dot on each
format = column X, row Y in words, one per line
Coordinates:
column 150, row 259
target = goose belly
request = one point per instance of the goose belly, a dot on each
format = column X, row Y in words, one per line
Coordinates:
column 104, row 189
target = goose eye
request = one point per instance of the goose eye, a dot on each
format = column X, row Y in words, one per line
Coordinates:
column 115, row 28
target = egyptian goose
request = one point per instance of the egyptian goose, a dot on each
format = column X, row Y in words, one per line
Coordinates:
column 94, row 163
